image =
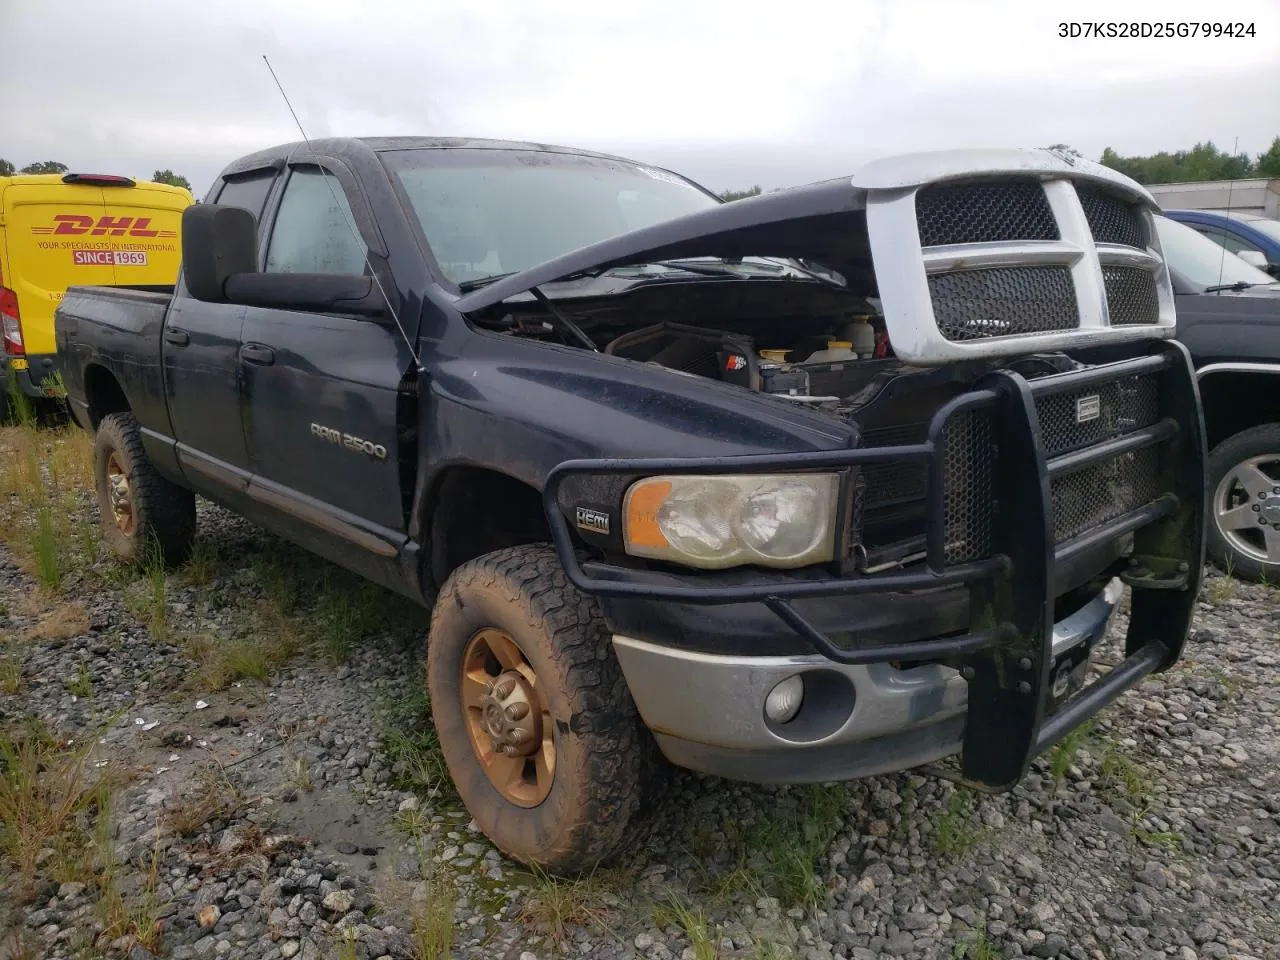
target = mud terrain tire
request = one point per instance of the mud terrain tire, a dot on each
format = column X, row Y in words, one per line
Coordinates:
column 141, row 511
column 605, row 760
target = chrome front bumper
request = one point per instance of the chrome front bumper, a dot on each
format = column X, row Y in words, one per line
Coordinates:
column 707, row 711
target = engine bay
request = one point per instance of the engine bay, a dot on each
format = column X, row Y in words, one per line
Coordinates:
column 804, row 344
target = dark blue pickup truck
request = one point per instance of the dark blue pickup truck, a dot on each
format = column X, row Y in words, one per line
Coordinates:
column 805, row 487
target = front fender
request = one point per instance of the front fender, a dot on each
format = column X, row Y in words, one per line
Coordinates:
column 521, row 408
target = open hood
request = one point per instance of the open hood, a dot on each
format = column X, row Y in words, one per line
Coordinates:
column 812, row 221
column 1081, row 219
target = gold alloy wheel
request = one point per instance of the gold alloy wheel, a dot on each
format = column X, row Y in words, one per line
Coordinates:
column 120, row 495
column 508, row 718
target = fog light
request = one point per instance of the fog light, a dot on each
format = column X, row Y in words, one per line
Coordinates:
column 783, row 701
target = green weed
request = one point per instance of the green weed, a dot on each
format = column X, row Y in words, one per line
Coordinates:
column 1064, row 754
column 977, row 947
column 1122, row 777
column 410, row 744
column 1158, row 840
column 703, row 936
column 46, row 796
column 137, row 917
column 347, row 945
column 554, row 905
column 792, row 843
column 202, row 564
column 81, row 685
column 10, row 672
column 431, row 922
column 302, row 775
column 221, row 663
column 955, row 832
column 48, row 553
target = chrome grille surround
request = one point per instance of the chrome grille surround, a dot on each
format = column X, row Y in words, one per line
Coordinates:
column 1106, row 240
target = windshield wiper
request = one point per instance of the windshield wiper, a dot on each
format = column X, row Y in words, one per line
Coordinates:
column 1237, row 286
column 705, row 269
column 466, row 286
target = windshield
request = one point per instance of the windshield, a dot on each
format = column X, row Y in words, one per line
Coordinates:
column 1201, row 261
column 490, row 212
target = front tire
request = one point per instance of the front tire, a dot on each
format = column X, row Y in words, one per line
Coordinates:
column 535, row 720
column 142, row 512
column 1244, row 504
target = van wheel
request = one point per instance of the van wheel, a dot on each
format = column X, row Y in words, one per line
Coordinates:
column 535, row 720
column 141, row 511
column 1244, row 504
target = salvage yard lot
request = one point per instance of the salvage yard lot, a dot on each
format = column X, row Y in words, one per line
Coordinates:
column 235, row 758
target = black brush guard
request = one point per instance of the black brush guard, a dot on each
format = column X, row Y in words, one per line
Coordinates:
column 1007, row 655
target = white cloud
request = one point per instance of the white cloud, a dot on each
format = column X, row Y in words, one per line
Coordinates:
column 730, row 94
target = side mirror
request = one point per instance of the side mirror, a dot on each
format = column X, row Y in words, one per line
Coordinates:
column 220, row 264
column 1255, row 258
column 307, row 292
column 217, row 242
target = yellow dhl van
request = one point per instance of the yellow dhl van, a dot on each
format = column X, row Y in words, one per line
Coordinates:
column 73, row 229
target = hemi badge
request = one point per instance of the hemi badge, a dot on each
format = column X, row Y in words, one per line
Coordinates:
column 1088, row 408
column 593, row 521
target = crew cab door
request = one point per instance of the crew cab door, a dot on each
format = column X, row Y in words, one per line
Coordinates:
column 321, row 389
column 200, row 350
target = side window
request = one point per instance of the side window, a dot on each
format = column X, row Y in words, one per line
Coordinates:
column 1213, row 233
column 1236, row 244
column 248, row 193
column 313, row 229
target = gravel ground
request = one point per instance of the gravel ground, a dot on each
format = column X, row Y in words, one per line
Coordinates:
column 304, row 816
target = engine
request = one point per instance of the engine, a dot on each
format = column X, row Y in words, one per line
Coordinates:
column 818, row 369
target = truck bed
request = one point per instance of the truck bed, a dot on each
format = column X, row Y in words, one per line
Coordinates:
column 118, row 329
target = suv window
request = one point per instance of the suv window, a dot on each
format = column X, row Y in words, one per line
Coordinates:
column 1222, row 237
column 248, row 193
column 313, row 232
column 1236, row 244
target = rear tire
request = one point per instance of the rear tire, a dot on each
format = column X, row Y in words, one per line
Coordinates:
column 564, row 799
column 142, row 512
column 1237, row 543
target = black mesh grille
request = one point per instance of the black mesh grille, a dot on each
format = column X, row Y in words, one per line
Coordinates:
column 1068, row 420
column 1111, row 219
column 970, row 461
column 1003, row 301
column 895, row 481
column 1131, row 295
column 982, row 212
column 1097, row 494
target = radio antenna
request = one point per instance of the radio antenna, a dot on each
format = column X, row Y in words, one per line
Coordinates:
column 346, row 215
column 1231, row 185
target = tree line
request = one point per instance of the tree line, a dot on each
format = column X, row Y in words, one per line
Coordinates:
column 7, row 169
column 1204, row 161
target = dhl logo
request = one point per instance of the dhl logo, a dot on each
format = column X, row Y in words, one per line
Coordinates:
column 76, row 225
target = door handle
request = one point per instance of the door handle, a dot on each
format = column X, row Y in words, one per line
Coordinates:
column 257, row 353
column 176, row 337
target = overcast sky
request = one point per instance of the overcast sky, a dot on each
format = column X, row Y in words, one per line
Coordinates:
column 730, row 94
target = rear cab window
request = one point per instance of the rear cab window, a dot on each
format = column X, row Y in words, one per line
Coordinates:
column 248, row 192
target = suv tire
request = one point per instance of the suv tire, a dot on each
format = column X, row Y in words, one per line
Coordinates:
column 1236, row 548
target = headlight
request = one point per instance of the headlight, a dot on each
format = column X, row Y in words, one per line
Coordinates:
column 724, row 521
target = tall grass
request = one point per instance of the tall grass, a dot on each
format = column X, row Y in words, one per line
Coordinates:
column 48, row 798
column 45, row 476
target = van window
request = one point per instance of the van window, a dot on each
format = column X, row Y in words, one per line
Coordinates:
column 249, row 193
column 314, row 229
